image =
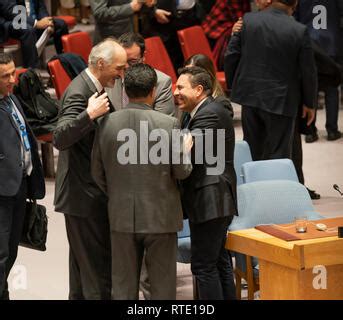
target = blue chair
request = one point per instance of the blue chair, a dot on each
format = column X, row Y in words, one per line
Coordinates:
column 266, row 202
column 278, row 169
column 242, row 155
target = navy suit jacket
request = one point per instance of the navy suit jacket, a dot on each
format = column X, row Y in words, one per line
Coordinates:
column 11, row 170
column 330, row 39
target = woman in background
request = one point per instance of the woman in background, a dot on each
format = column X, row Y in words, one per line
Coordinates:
column 203, row 61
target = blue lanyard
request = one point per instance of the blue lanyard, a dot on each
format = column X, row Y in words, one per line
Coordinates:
column 21, row 127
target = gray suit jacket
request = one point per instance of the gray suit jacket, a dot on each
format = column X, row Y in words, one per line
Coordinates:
column 164, row 101
column 75, row 191
column 112, row 18
column 143, row 198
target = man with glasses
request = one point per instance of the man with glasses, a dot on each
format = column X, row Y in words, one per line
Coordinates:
column 134, row 46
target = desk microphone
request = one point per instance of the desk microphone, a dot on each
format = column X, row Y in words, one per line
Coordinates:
column 336, row 187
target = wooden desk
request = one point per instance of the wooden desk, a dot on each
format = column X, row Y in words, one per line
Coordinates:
column 286, row 268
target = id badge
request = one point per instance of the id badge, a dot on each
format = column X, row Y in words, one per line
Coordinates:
column 26, row 141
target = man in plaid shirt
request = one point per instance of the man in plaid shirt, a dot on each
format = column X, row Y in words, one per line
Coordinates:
column 219, row 22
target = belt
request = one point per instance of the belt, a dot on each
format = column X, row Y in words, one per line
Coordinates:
column 182, row 13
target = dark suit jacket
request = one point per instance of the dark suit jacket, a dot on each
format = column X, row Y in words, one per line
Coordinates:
column 6, row 17
column 11, row 170
column 76, row 193
column 206, row 197
column 39, row 8
column 329, row 39
column 270, row 63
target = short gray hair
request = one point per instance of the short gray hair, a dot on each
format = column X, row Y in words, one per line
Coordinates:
column 104, row 50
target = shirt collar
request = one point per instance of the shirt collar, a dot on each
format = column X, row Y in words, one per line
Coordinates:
column 96, row 82
column 194, row 111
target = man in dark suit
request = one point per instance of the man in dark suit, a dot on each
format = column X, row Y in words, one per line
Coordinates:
column 26, row 36
column 271, row 70
column 323, row 19
column 76, row 194
column 209, row 193
column 40, row 19
column 141, row 222
column 167, row 17
column 21, row 174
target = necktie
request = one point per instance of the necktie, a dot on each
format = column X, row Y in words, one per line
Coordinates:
column 111, row 106
column 186, row 120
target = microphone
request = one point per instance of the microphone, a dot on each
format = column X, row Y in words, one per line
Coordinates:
column 336, row 187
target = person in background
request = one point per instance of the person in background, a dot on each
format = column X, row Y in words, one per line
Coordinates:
column 21, row 173
column 134, row 45
column 203, row 61
column 218, row 25
column 270, row 96
column 67, row 7
column 39, row 19
column 115, row 17
column 328, row 36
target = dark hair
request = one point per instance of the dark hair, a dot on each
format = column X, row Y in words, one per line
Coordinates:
column 198, row 76
column 127, row 40
column 5, row 58
column 203, row 61
column 140, row 79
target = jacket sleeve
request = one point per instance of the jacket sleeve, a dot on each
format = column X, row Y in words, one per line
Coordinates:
column 183, row 170
column 164, row 102
column 42, row 11
column 73, row 122
column 97, row 168
column 232, row 58
column 308, row 69
column 103, row 13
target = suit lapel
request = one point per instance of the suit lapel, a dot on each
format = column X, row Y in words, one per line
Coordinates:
column 205, row 103
column 92, row 87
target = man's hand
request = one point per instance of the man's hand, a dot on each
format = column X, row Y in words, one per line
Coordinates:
column 162, row 16
column 309, row 113
column 97, row 105
column 45, row 23
column 237, row 27
column 136, row 5
column 187, row 143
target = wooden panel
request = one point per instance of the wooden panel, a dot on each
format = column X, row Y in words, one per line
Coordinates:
column 266, row 247
column 281, row 283
column 326, row 253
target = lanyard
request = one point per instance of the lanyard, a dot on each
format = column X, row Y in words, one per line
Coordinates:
column 21, row 127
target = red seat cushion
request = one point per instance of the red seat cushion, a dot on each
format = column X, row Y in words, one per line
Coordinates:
column 69, row 20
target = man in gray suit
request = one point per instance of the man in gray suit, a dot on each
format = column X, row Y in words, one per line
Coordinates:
column 115, row 17
column 76, row 194
column 144, row 202
column 134, row 46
